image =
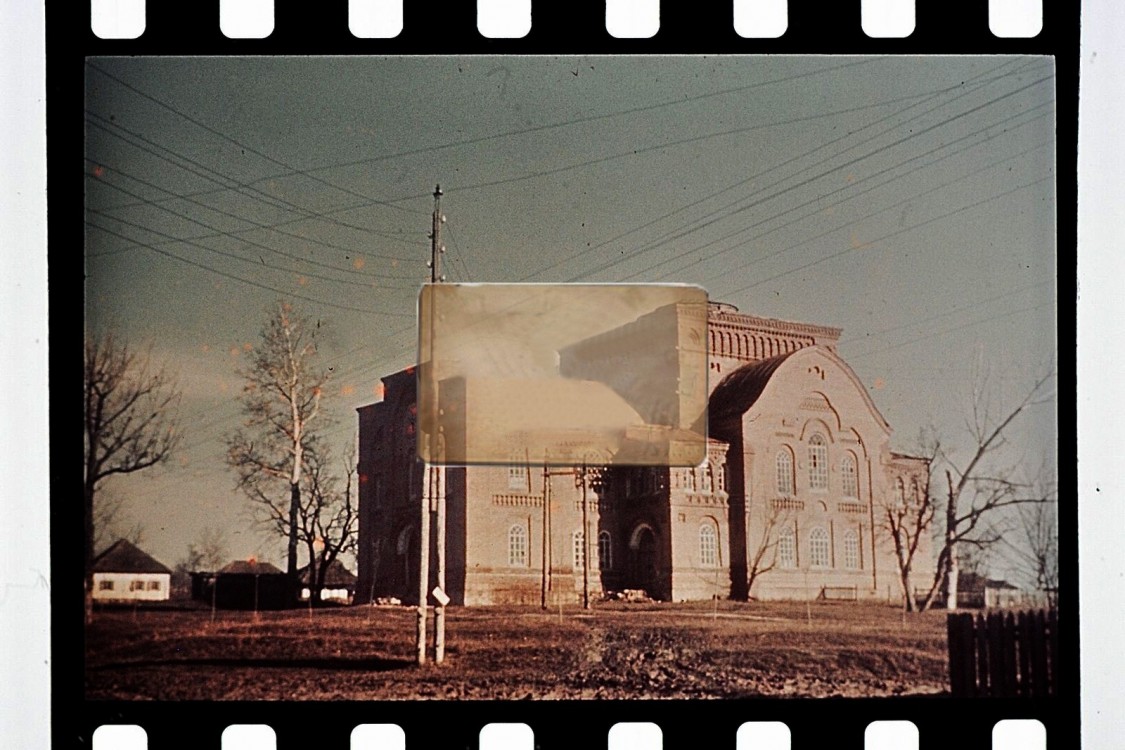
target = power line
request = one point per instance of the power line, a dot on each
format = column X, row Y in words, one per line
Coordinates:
column 233, row 277
column 817, row 201
column 240, row 144
column 809, row 180
column 928, row 96
column 233, row 256
column 904, row 230
column 212, row 175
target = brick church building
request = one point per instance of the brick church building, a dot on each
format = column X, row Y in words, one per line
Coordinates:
column 798, row 468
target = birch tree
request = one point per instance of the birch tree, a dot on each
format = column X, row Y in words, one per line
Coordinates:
column 130, row 424
column 281, row 401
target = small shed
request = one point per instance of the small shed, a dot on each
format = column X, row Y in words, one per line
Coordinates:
column 126, row 573
column 242, row 584
column 339, row 584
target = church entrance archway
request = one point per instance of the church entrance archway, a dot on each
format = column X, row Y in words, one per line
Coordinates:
column 642, row 572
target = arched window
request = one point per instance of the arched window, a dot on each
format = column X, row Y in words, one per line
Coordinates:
column 605, row 551
column 849, row 481
column 915, row 495
column 517, row 546
column 787, row 549
column 819, row 553
column 851, row 550
column 901, row 493
column 784, row 472
column 818, row 463
column 708, row 546
column 578, row 540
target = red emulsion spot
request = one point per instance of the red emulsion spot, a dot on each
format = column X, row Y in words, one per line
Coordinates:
column 362, row 478
column 99, row 171
column 410, row 370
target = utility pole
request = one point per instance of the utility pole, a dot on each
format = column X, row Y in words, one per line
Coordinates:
column 433, row 500
column 546, row 536
column 582, row 477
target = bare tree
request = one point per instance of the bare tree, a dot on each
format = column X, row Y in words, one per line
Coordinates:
column 763, row 558
column 281, row 401
column 977, row 487
column 130, row 423
column 329, row 517
column 208, row 552
column 112, row 522
column 907, row 517
column 1036, row 548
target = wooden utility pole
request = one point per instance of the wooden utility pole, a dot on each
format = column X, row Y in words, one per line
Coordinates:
column 430, row 491
column 546, row 536
column 582, row 477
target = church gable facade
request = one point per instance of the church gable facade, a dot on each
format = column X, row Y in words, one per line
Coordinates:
column 786, row 505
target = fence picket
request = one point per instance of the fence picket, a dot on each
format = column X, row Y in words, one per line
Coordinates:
column 1003, row 654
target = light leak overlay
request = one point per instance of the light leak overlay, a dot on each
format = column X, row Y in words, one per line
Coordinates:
column 562, row 374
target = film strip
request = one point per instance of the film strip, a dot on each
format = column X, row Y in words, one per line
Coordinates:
column 230, row 165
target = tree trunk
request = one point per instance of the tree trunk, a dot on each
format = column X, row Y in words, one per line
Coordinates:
column 951, row 545
column 291, row 561
column 908, row 591
column 88, row 557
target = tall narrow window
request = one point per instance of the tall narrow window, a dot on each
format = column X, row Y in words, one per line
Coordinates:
column 578, row 539
column 605, row 551
column 847, row 470
column 706, row 478
column 517, row 476
column 818, row 463
column 517, row 546
column 708, row 546
column 784, row 472
column 851, row 549
column 915, row 495
column 819, row 553
column 901, row 493
column 787, row 549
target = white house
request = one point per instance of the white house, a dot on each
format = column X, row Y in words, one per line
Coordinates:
column 124, row 573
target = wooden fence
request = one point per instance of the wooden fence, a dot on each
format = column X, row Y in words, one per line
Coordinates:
column 1003, row 654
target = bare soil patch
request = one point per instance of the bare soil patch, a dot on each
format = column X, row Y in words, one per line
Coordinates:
column 614, row 651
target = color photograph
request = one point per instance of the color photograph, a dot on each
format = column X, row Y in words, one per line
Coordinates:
column 825, row 464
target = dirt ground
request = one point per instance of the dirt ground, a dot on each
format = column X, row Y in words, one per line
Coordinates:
column 617, row 650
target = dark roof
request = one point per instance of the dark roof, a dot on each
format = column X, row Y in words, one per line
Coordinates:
column 336, row 575
column 247, row 567
column 124, row 557
column 738, row 391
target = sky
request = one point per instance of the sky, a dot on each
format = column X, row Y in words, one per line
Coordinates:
column 908, row 201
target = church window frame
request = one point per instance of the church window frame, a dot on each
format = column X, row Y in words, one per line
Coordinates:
column 605, row 551
column 708, row 545
column 849, row 477
column 578, row 543
column 818, row 463
column 784, row 472
column 517, row 546
column 787, row 548
column 851, row 550
column 517, row 476
column 820, row 549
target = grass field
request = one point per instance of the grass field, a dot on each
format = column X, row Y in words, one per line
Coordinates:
column 614, row 651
